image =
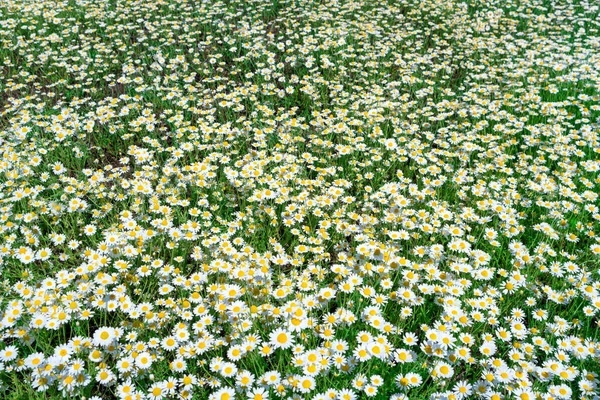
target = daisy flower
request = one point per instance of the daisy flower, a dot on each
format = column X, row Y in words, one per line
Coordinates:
column 281, row 339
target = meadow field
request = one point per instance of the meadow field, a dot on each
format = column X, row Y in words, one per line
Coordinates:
column 299, row 199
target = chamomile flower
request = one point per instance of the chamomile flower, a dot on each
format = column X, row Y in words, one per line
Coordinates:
column 144, row 360
column 281, row 339
column 443, row 370
column 104, row 336
column 9, row 353
column 125, row 364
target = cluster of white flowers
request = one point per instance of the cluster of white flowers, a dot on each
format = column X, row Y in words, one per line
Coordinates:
column 300, row 200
